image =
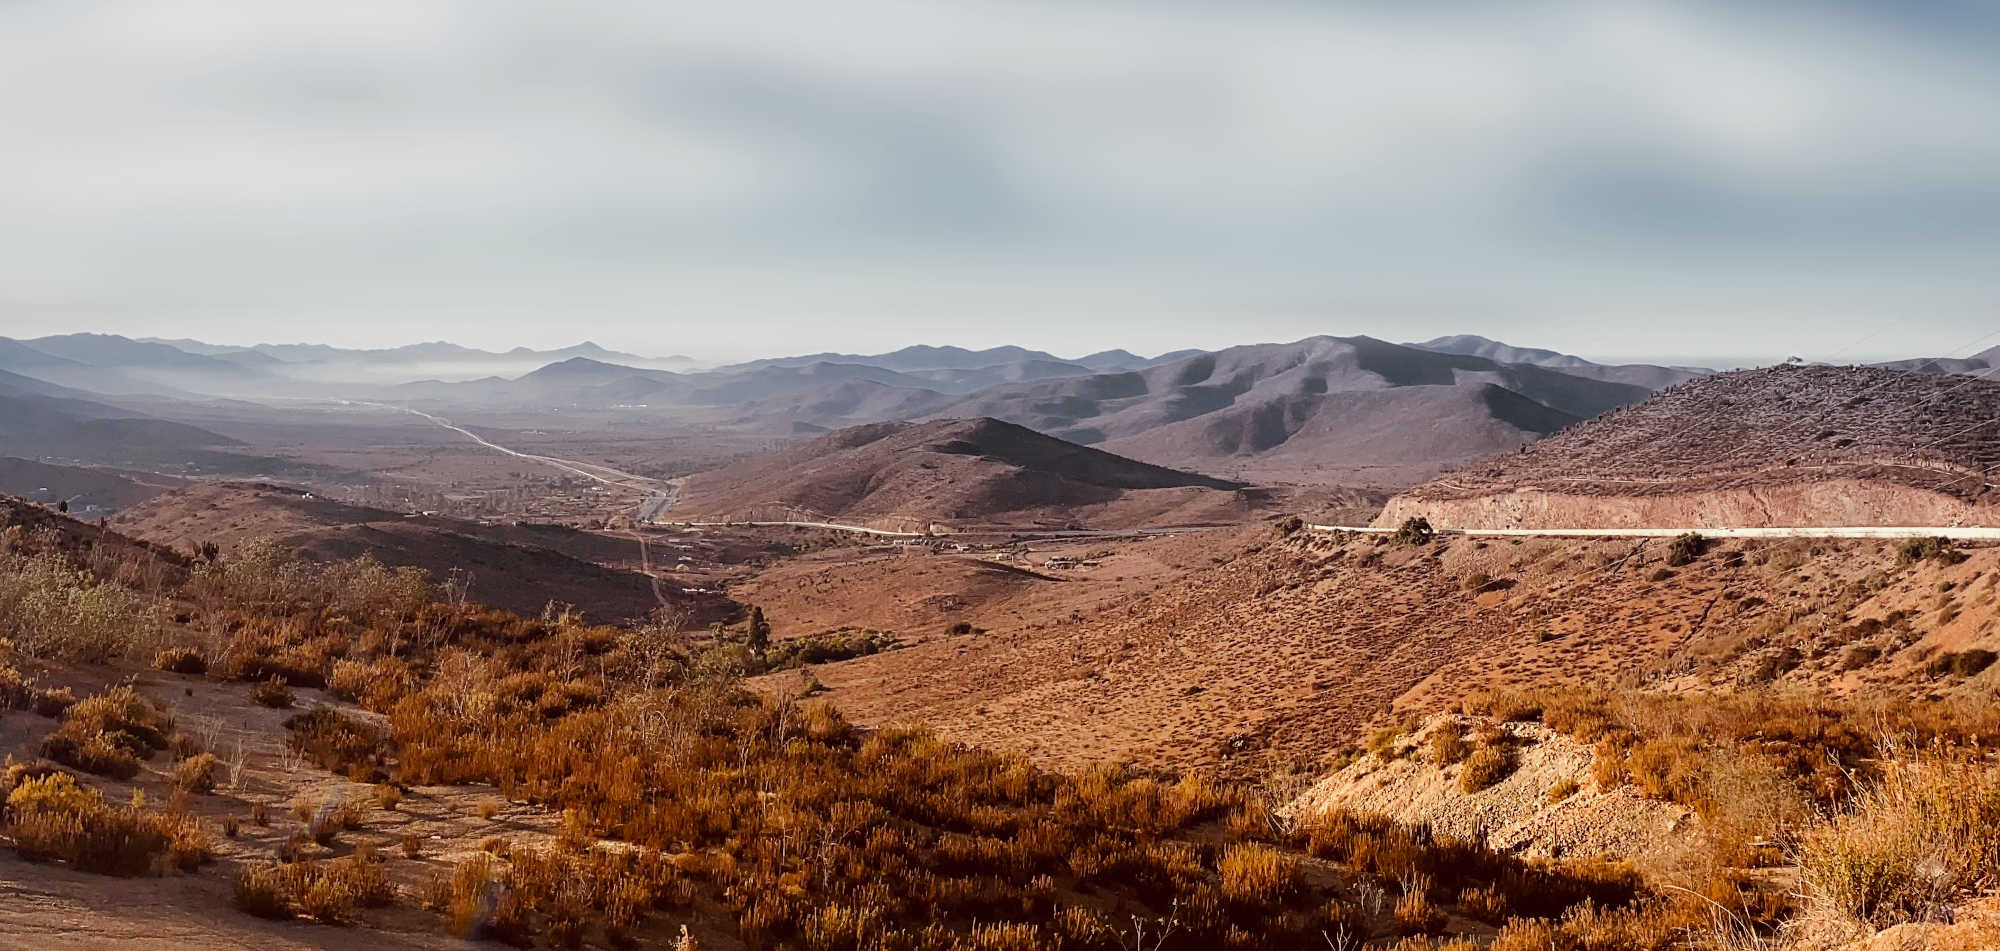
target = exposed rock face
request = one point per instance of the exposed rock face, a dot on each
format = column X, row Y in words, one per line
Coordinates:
column 1513, row 815
column 1836, row 502
column 1778, row 447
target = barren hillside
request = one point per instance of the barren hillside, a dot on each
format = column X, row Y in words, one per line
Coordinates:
column 522, row 568
column 1788, row 445
column 959, row 472
column 1320, row 409
column 1276, row 653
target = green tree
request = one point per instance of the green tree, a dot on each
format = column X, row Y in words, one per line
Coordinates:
column 759, row 640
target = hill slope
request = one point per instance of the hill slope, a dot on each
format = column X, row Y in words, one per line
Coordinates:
column 521, row 568
column 955, row 471
column 1324, row 408
column 1788, row 445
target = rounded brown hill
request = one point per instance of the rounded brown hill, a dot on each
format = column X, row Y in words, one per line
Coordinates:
column 1773, row 447
column 959, row 473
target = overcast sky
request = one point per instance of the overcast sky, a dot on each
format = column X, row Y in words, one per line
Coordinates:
column 741, row 178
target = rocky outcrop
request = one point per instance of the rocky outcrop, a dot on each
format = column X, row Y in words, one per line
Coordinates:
column 1835, row 502
column 1521, row 813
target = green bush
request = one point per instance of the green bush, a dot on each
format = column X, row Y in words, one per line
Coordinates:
column 1415, row 530
column 1928, row 549
column 1685, row 549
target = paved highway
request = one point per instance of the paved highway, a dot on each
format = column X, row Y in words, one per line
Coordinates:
column 1858, row 531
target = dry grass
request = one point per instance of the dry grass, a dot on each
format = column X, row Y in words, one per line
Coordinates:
column 1488, row 764
column 1257, row 875
column 332, row 892
column 52, row 818
column 809, row 833
column 196, row 774
column 109, row 734
column 1910, row 846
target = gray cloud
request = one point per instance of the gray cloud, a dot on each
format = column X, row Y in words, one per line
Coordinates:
column 739, row 178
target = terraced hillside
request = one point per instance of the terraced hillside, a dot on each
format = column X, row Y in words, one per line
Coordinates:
column 1780, row 446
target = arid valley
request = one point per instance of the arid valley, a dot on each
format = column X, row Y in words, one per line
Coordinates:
column 1336, row 642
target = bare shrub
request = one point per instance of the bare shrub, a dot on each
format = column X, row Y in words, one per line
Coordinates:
column 51, row 609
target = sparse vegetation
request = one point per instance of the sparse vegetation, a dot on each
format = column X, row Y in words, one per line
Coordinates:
column 109, row 734
column 1415, row 530
column 777, row 819
column 330, row 892
column 1938, row 549
column 1685, row 549
column 52, row 818
column 1911, row 844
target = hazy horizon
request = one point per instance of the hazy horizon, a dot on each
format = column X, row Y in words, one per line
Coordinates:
column 1851, row 354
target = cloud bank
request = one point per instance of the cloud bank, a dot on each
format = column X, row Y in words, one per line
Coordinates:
column 731, row 179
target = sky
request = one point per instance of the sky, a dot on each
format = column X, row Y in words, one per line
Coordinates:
column 1678, row 181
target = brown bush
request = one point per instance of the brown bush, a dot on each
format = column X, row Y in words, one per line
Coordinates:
column 1488, row 764
column 331, row 892
column 180, row 660
column 52, row 818
column 196, row 774
column 336, row 741
column 109, row 734
column 1964, row 663
column 272, row 693
column 1912, row 845
column 1448, row 745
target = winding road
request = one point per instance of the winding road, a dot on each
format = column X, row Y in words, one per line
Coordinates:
column 658, row 495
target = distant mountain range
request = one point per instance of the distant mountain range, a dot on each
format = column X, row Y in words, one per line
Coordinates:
column 958, row 358
column 1320, row 409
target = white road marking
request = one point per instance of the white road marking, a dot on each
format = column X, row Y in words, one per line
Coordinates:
column 1858, row 531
